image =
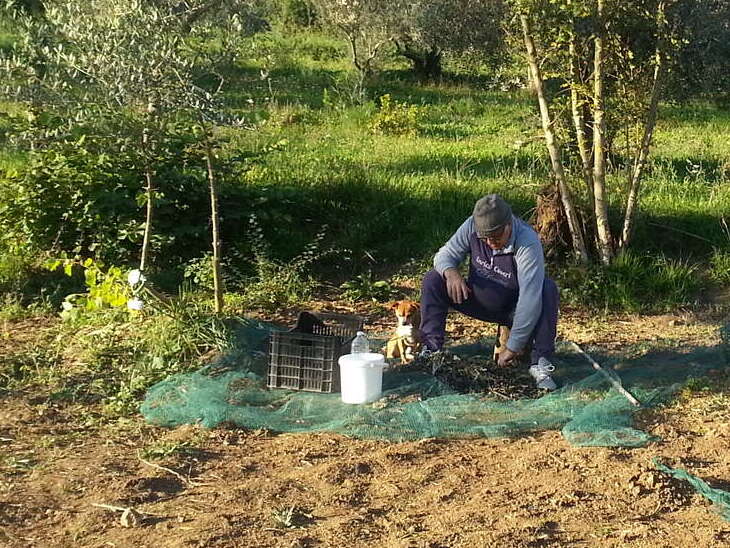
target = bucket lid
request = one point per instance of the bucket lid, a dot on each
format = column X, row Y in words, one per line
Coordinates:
column 361, row 359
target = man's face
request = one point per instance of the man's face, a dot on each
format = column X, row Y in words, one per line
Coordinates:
column 499, row 238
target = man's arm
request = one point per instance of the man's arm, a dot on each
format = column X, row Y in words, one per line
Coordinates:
column 449, row 257
column 453, row 252
column 530, row 276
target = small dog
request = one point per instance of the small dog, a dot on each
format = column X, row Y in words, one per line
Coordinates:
column 406, row 341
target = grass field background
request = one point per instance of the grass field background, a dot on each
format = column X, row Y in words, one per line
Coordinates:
column 388, row 201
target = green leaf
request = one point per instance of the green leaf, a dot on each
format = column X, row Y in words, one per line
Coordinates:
column 90, row 277
column 52, row 264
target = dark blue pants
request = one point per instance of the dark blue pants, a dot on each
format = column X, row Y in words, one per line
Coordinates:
column 489, row 302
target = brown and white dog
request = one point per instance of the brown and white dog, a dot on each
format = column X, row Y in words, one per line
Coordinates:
column 406, row 341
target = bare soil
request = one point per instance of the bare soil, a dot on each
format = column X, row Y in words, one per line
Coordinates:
column 233, row 487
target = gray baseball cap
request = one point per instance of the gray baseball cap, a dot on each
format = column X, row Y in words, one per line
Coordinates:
column 490, row 214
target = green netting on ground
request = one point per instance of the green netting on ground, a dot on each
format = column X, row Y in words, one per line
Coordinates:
column 720, row 498
column 415, row 405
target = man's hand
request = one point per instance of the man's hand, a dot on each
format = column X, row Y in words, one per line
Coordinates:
column 456, row 286
column 506, row 357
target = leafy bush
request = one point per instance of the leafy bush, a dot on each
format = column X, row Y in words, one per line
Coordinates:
column 15, row 269
column 25, row 282
column 70, row 198
column 394, row 118
column 276, row 284
column 106, row 287
column 199, row 271
column 86, row 198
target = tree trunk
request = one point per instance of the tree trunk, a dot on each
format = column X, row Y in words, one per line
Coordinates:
column 553, row 146
column 579, row 122
column 426, row 62
column 217, row 281
column 149, row 193
column 363, row 63
column 603, row 229
column 633, row 197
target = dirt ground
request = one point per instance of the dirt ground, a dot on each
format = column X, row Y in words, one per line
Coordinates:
column 232, row 487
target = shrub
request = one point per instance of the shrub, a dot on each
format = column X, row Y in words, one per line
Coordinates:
column 364, row 287
column 106, row 287
column 78, row 199
column 720, row 267
column 199, row 271
column 394, row 118
column 276, row 284
column 71, row 199
column 25, row 282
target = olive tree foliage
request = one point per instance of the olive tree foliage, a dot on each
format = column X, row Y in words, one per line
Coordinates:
column 127, row 58
column 130, row 64
column 28, row 6
column 190, row 14
column 702, row 65
column 421, row 30
column 97, row 58
column 424, row 30
column 368, row 28
column 612, row 59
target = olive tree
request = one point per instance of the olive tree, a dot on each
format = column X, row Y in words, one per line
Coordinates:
column 612, row 60
column 124, row 60
column 424, row 30
column 128, row 55
column 421, row 30
column 368, row 28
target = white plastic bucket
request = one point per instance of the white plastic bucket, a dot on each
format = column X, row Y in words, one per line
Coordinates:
column 361, row 377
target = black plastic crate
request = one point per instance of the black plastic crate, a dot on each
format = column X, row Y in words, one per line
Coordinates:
column 308, row 362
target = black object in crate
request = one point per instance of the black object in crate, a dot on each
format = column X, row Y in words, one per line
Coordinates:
column 305, row 358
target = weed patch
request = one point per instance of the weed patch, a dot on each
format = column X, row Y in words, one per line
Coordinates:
column 632, row 284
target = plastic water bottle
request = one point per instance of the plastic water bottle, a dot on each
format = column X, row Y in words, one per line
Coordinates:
column 360, row 344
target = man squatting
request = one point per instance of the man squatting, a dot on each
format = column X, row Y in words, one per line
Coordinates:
column 506, row 285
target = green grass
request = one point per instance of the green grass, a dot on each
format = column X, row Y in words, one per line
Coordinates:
column 488, row 142
column 632, row 283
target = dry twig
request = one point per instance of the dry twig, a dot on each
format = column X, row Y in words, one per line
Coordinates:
column 187, row 481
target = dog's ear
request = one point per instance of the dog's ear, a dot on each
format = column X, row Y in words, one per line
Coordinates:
column 416, row 305
column 393, row 305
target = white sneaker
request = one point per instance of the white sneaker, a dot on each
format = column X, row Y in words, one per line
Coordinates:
column 541, row 372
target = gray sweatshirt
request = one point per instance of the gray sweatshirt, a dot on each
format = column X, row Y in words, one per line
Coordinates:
column 524, row 274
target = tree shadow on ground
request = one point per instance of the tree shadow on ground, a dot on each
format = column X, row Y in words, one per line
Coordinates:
column 372, row 221
column 489, row 166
